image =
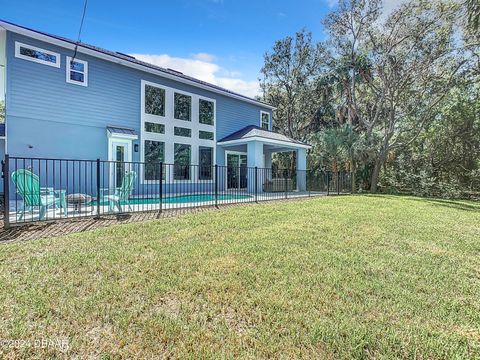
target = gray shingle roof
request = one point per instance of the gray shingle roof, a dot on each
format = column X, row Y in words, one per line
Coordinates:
column 120, row 130
column 256, row 131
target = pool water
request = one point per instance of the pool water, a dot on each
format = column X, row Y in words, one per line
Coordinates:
column 181, row 199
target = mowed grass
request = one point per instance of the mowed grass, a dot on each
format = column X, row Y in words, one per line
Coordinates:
column 337, row 277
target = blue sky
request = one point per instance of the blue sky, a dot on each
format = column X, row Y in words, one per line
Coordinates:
column 221, row 41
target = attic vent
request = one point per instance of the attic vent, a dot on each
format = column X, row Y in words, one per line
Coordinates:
column 175, row 71
column 120, row 53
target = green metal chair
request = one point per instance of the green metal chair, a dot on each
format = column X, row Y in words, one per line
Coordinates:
column 122, row 194
column 28, row 187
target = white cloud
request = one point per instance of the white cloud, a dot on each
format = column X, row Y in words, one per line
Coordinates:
column 332, row 3
column 388, row 6
column 204, row 57
column 202, row 67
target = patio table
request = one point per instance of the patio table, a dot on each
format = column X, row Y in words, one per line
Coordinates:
column 78, row 200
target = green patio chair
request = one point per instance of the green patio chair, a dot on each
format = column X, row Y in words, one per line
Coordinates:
column 122, row 193
column 28, row 187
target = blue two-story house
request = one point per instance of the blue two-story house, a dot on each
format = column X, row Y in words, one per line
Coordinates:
column 69, row 100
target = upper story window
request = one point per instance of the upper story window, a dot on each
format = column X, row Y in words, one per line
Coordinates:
column 77, row 71
column 38, row 55
column 206, row 111
column 154, row 100
column 154, row 128
column 265, row 120
column 182, row 107
column 180, row 131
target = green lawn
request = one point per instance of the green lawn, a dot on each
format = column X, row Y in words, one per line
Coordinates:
column 336, row 277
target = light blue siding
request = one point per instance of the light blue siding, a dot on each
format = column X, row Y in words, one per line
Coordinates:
column 48, row 117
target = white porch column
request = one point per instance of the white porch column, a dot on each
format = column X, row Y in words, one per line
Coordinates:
column 254, row 158
column 268, row 165
column 301, row 169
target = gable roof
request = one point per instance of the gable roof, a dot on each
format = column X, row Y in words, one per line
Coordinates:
column 253, row 131
column 127, row 60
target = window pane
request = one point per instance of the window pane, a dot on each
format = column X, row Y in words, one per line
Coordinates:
column 77, row 66
column 205, row 135
column 179, row 131
column 181, row 161
column 76, row 76
column 206, row 161
column 183, row 106
column 265, row 121
column 154, row 154
column 206, row 112
column 154, row 100
column 154, row 128
column 38, row 54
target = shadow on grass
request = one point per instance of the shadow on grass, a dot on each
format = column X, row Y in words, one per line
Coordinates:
column 452, row 204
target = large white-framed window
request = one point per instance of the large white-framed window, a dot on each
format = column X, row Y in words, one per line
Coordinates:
column 76, row 71
column 182, row 106
column 205, row 162
column 206, row 111
column 265, row 120
column 172, row 116
column 154, row 155
column 36, row 54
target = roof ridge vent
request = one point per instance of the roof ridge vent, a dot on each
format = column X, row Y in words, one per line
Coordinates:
column 175, row 71
column 123, row 54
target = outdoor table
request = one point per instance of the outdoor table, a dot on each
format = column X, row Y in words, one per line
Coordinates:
column 78, row 200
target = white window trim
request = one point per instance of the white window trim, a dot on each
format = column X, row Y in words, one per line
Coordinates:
column 214, row 110
column 170, row 123
column 225, row 171
column 152, row 117
column 180, row 92
column 213, row 163
column 269, row 119
column 18, row 45
column 84, row 72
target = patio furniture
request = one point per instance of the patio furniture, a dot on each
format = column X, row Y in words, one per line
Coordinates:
column 28, row 186
column 122, row 194
column 78, row 200
column 278, row 185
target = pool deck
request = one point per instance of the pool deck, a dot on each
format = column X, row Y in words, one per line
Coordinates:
column 53, row 214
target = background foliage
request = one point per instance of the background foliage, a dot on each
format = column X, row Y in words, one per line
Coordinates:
column 394, row 97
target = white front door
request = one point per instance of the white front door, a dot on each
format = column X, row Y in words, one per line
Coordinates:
column 120, row 154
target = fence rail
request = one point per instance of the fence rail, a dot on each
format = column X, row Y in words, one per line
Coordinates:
column 41, row 189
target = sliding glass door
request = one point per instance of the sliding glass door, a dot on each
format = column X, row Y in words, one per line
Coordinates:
column 236, row 170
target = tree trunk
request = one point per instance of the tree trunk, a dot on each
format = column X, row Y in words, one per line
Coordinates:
column 375, row 175
column 353, row 171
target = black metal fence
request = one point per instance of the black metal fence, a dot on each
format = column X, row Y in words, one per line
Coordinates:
column 40, row 189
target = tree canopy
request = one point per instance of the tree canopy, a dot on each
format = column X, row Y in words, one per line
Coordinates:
column 383, row 93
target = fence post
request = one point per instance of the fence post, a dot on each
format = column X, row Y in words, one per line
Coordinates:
column 6, row 192
column 308, row 176
column 286, row 184
column 160, row 190
column 256, row 183
column 338, row 182
column 328, row 182
column 216, row 185
column 98, row 188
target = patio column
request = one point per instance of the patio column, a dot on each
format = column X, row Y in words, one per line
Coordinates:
column 267, row 173
column 254, row 158
column 301, row 169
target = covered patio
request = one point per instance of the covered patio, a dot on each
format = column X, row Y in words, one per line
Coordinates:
column 253, row 147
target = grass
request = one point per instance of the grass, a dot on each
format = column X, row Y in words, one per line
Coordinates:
column 337, row 277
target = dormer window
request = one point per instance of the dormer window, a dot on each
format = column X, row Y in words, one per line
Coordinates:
column 265, row 120
column 77, row 71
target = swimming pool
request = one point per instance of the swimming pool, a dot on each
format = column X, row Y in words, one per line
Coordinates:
column 182, row 199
